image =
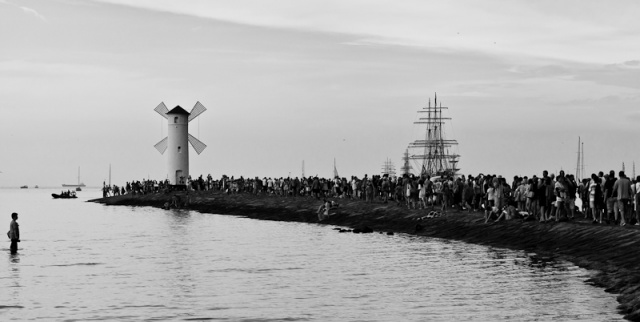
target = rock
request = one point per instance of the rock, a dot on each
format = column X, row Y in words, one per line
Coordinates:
column 634, row 316
column 363, row 230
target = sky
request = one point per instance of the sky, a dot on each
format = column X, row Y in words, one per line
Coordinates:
column 303, row 81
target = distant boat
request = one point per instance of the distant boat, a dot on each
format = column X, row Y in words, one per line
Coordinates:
column 36, row 187
column 24, row 187
column 78, row 185
column 73, row 185
column 78, row 189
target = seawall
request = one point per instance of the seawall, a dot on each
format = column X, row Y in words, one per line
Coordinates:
column 612, row 251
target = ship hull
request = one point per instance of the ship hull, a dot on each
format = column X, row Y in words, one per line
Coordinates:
column 73, row 185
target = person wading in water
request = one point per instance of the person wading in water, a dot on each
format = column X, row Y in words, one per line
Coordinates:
column 14, row 233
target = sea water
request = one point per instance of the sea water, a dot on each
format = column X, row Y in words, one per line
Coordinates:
column 81, row 261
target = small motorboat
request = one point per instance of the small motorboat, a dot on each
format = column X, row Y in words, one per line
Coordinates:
column 71, row 195
column 24, row 187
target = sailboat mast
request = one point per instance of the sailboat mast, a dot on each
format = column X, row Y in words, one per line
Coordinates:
column 430, row 134
column 441, row 166
column 109, row 174
column 578, row 174
column 582, row 159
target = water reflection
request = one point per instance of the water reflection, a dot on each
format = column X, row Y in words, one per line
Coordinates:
column 14, row 258
column 128, row 263
column 15, row 284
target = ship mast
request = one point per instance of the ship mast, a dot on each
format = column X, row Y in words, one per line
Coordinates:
column 406, row 168
column 389, row 169
column 578, row 169
column 427, row 138
column 436, row 157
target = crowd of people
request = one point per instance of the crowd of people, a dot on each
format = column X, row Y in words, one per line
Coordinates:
column 604, row 198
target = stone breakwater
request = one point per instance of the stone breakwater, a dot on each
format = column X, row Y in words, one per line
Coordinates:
column 612, row 251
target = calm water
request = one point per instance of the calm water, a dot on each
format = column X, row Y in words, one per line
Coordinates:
column 84, row 261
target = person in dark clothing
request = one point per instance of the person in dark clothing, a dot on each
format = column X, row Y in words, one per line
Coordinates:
column 14, row 233
column 610, row 195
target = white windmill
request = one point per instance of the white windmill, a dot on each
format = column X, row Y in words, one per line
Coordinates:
column 176, row 141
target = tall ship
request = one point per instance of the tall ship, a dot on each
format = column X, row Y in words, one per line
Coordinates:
column 388, row 169
column 434, row 154
column 71, row 185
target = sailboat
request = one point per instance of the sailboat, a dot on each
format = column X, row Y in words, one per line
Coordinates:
column 77, row 186
column 435, row 154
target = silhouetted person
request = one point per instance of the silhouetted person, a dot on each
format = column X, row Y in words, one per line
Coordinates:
column 14, row 233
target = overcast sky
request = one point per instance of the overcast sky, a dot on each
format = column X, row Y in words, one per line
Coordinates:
column 292, row 80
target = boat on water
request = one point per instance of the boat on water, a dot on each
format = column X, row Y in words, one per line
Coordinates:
column 77, row 186
column 80, row 185
column 435, row 154
column 64, row 195
column 24, row 187
column 36, row 187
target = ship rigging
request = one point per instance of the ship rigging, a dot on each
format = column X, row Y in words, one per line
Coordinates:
column 434, row 155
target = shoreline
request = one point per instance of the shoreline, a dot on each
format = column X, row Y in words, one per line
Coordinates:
column 611, row 251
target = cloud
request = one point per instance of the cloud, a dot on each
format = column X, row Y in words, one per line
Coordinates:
column 34, row 13
column 26, row 10
column 12, row 69
column 540, row 30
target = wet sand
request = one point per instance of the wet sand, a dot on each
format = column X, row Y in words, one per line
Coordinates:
column 612, row 251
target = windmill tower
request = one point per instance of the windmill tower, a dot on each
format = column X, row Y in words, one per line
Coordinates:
column 176, row 141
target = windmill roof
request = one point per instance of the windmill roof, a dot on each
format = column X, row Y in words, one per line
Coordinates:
column 178, row 110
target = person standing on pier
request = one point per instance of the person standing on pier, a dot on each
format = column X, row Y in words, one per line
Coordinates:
column 560, row 189
column 636, row 197
column 14, row 233
column 610, row 195
column 623, row 188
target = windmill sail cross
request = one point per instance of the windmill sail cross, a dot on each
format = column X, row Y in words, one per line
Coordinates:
column 162, row 109
column 196, row 110
column 197, row 144
column 162, row 145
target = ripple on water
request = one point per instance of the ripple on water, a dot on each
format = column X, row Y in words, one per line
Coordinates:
column 128, row 263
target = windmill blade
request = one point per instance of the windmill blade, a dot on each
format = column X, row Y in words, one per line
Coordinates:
column 162, row 109
column 162, row 145
column 196, row 144
column 196, row 110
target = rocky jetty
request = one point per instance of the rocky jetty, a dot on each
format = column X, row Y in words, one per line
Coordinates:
column 612, row 251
